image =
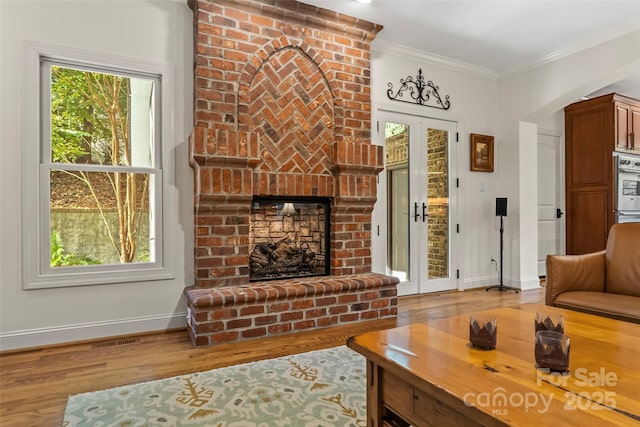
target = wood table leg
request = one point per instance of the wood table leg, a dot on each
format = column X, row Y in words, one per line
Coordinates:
column 374, row 401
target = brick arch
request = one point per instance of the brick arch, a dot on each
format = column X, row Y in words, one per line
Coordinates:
column 292, row 110
column 251, row 68
column 286, row 97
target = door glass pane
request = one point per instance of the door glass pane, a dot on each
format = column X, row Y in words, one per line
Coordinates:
column 438, row 206
column 397, row 163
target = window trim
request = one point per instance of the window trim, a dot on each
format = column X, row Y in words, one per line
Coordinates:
column 37, row 273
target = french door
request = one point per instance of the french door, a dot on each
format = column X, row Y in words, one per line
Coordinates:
column 417, row 186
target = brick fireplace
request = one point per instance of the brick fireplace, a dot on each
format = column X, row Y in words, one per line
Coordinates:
column 282, row 109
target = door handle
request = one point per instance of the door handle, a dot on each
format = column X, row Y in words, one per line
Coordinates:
column 559, row 213
column 416, row 215
column 424, row 211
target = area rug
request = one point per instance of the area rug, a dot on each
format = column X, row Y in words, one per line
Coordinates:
column 314, row 389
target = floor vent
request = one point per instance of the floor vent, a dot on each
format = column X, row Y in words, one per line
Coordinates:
column 117, row 343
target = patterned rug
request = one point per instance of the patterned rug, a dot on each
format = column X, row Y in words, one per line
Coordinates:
column 314, row 389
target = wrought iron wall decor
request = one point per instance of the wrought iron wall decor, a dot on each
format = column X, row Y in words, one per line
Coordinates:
column 420, row 92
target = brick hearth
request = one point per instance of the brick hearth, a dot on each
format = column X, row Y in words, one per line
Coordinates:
column 282, row 108
column 269, row 308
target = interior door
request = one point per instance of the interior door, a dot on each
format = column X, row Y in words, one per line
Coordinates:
column 417, row 188
column 550, row 213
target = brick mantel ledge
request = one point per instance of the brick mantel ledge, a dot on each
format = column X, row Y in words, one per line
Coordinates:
column 261, row 309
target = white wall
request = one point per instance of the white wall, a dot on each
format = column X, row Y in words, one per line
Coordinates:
column 536, row 93
column 536, row 97
column 511, row 108
column 161, row 30
column 154, row 30
column 474, row 106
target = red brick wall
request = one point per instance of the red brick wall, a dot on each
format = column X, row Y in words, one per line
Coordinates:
column 282, row 107
column 227, row 314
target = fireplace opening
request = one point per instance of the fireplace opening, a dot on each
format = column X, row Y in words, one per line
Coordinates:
column 289, row 237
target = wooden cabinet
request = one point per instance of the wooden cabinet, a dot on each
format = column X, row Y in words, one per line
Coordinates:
column 594, row 129
column 404, row 405
column 627, row 126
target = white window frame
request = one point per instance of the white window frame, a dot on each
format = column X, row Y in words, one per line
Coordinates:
column 36, row 165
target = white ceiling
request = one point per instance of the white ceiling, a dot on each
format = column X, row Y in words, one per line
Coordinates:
column 504, row 36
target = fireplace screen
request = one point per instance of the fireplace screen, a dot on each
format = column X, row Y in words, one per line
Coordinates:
column 289, row 237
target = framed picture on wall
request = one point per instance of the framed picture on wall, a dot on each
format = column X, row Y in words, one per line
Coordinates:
column 481, row 153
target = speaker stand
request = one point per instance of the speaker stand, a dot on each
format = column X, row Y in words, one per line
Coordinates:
column 501, row 286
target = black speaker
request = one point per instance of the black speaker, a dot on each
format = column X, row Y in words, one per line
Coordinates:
column 501, row 206
column 501, row 211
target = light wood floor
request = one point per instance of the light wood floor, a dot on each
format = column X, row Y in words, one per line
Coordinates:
column 35, row 384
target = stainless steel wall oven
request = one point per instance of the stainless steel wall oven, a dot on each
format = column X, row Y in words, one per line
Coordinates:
column 627, row 203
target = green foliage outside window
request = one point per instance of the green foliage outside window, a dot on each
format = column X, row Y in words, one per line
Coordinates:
column 60, row 257
column 91, row 125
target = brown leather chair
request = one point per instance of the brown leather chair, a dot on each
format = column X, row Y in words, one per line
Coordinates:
column 605, row 283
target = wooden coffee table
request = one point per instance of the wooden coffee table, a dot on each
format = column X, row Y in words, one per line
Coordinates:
column 429, row 374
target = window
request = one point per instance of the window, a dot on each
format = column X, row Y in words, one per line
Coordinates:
column 99, row 174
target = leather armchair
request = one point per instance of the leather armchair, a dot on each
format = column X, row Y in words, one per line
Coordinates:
column 605, row 283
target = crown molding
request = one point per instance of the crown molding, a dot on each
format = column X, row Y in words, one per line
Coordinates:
column 410, row 53
column 572, row 50
column 382, row 46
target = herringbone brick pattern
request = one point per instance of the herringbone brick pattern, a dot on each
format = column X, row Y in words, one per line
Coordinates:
column 292, row 109
column 282, row 108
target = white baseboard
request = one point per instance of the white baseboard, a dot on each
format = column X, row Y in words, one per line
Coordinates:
column 478, row 282
column 523, row 284
column 529, row 283
column 88, row 331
